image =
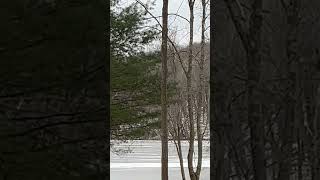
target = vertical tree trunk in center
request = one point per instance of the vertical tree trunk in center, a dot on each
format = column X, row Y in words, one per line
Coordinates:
column 200, row 115
column 292, row 16
column 256, row 123
column 189, row 97
column 164, row 124
column 251, row 40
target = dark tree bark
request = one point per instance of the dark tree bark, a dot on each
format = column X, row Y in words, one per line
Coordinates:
column 164, row 121
column 251, row 39
column 256, row 123
column 287, row 129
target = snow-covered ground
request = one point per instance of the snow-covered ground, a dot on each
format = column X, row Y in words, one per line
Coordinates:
column 143, row 161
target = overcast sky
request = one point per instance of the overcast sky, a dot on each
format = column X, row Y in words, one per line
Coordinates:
column 176, row 23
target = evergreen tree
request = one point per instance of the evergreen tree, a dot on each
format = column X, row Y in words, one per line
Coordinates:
column 135, row 76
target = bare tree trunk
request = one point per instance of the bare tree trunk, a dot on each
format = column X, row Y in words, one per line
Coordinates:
column 307, row 98
column 316, row 143
column 189, row 96
column 200, row 115
column 256, row 123
column 183, row 175
column 216, row 122
column 299, row 127
column 292, row 10
column 164, row 125
column 218, row 147
column 178, row 127
column 179, row 151
column 176, row 133
column 300, row 157
column 251, row 40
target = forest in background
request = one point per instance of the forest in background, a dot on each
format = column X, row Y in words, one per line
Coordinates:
column 53, row 82
column 160, row 94
column 264, row 101
column 265, row 90
column 136, row 73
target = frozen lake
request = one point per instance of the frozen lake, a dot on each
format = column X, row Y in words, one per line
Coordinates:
column 143, row 161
